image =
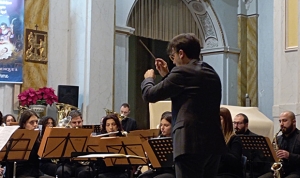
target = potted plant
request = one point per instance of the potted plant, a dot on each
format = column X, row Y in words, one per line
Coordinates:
column 37, row 100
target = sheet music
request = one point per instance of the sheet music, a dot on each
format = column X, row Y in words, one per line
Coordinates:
column 110, row 156
column 6, row 133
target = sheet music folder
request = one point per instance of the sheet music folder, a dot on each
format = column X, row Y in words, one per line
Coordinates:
column 160, row 152
column 120, row 150
column 258, row 149
column 61, row 142
column 144, row 134
column 20, row 145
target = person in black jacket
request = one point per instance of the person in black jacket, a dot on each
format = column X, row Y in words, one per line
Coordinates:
column 128, row 124
column 166, row 131
column 195, row 91
column 241, row 123
column 289, row 146
column 230, row 165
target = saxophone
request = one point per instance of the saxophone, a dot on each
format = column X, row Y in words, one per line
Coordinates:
column 277, row 166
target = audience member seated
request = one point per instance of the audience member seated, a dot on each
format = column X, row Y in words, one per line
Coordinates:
column 241, row 125
column 29, row 168
column 111, row 123
column 74, row 168
column 7, row 119
column 230, row 165
column 289, row 146
column 128, row 124
column 47, row 166
column 166, row 130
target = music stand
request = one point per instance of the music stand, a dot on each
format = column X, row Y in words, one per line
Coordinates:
column 59, row 143
column 131, row 147
column 258, row 148
column 145, row 134
column 18, row 147
column 160, row 152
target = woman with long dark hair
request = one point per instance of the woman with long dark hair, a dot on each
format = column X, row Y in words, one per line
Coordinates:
column 46, row 165
column 230, row 165
column 29, row 168
column 8, row 118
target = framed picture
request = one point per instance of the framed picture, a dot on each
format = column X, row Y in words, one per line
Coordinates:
column 36, row 46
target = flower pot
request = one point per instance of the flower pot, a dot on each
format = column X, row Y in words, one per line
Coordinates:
column 37, row 108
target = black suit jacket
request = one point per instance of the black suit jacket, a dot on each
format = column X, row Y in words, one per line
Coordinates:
column 195, row 91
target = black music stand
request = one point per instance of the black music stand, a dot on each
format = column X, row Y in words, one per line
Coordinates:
column 96, row 128
column 59, row 143
column 18, row 148
column 160, row 152
column 257, row 149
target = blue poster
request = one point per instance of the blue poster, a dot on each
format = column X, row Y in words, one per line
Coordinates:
column 11, row 40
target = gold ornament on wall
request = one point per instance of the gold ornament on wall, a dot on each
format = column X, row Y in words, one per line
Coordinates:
column 36, row 46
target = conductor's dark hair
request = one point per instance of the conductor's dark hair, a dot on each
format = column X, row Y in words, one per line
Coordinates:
column 246, row 120
column 1, row 118
column 187, row 42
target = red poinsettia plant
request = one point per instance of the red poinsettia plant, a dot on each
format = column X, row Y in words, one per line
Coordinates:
column 42, row 96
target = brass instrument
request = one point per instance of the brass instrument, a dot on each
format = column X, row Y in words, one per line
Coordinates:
column 63, row 111
column 120, row 116
column 277, row 166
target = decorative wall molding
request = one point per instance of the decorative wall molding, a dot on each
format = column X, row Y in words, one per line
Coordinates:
column 124, row 30
column 223, row 49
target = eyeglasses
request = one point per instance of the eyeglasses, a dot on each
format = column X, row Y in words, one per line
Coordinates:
column 172, row 57
column 238, row 123
column 33, row 122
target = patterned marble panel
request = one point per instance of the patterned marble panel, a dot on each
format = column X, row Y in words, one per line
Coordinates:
column 252, row 60
column 242, row 65
column 35, row 74
column 247, row 71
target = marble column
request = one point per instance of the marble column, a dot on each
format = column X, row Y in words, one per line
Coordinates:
column 121, row 66
column 81, row 52
column 224, row 60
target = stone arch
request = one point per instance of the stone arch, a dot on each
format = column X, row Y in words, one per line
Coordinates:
column 210, row 31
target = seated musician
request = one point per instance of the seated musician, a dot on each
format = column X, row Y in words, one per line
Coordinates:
column 29, row 168
column 111, row 123
column 230, row 165
column 47, row 166
column 8, row 118
column 165, row 129
column 74, row 168
column 288, row 147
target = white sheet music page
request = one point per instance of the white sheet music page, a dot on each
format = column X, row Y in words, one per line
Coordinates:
column 6, row 132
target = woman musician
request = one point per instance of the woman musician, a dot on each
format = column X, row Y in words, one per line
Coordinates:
column 165, row 130
column 230, row 165
column 46, row 165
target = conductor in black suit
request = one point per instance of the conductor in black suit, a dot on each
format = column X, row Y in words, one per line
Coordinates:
column 195, row 90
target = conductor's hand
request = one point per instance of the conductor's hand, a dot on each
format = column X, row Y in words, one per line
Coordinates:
column 1, row 171
column 282, row 154
column 149, row 73
column 161, row 66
